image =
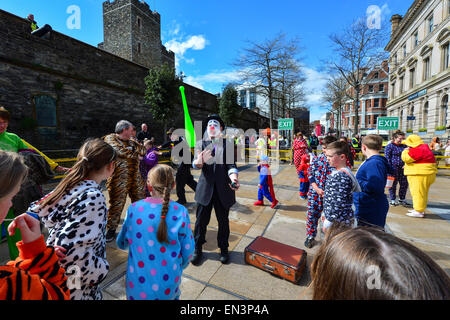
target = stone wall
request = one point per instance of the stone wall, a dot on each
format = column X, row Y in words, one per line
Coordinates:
column 92, row 89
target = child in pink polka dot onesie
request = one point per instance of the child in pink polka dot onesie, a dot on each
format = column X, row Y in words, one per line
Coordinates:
column 158, row 235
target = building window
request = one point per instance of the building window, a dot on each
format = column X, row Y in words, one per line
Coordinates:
column 425, row 115
column 402, row 80
column 375, row 75
column 426, row 69
column 139, row 23
column 252, row 99
column 243, row 99
column 381, row 88
column 444, row 111
column 395, row 58
column 370, row 88
column 375, row 118
column 139, row 47
column 412, row 78
column 416, row 39
column 404, row 50
column 445, row 56
column 376, row 103
column 430, row 23
column 393, row 90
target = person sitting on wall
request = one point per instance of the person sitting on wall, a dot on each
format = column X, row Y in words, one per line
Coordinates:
column 43, row 32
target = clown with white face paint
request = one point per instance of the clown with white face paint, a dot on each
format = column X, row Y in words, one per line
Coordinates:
column 213, row 129
column 216, row 186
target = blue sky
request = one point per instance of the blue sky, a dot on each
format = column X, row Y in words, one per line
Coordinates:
column 207, row 35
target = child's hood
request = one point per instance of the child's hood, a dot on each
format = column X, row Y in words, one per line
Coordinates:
column 377, row 158
column 59, row 210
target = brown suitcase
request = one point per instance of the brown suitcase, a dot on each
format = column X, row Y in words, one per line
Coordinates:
column 280, row 259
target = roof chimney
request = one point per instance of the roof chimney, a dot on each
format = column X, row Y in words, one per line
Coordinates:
column 395, row 21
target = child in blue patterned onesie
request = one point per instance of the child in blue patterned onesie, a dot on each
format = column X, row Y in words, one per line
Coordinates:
column 341, row 183
column 157, row 233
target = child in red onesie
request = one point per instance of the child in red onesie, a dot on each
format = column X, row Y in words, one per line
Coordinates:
column 303, row 176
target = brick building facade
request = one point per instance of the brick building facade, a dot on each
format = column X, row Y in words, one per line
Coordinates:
column 373, row 101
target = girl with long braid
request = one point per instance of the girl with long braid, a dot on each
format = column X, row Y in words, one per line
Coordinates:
column 157, row 232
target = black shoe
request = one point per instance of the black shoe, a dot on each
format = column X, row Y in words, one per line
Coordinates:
column 197, row 257
column 309, row 243
column 404, row 203
column 224, row 256
column 110, row 235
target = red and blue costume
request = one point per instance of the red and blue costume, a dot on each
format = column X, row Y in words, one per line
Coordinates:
column 318, row 172
column 303, row 176
column 265, row 186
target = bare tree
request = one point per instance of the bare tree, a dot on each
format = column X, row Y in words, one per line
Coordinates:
column 273, row 66
column 335, row 93
column 359, row 49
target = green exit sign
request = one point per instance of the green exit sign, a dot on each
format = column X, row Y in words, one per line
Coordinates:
column 285, row 124
column 387, row 123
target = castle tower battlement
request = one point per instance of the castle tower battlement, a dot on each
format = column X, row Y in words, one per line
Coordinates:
column 133, row 31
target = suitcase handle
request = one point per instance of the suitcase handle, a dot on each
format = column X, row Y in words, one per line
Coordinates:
column 268, row 267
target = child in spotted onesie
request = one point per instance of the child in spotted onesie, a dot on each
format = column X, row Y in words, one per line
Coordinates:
column 341, row 183
column 318, row 172
column 75, row 214
column 157, row 233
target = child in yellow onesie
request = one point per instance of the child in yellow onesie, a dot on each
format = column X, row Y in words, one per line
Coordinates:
column 420, row 169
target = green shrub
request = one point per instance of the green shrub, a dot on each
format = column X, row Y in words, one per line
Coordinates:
column 423, row 130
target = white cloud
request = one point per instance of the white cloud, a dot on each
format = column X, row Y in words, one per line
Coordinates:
column 314, row 87
column 179, row 47
column 213, row 81
column 193, row 82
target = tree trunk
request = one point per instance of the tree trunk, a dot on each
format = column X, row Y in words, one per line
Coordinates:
column 357, row 110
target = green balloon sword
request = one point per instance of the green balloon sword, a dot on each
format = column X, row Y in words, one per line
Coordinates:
column 188, row 126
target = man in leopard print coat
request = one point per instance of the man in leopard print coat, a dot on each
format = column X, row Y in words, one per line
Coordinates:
column 126, row 179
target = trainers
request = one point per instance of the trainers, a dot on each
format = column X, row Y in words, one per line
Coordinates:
column 394, row 203
column 309, row 243
column 259, row 203
column 274, row 204
column 110, row 235
column 415, row 214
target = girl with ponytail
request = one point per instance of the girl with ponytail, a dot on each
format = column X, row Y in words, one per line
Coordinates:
column 157, row 232
column 75, row 214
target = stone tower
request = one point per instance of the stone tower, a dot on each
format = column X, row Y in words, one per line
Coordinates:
column 133, row 31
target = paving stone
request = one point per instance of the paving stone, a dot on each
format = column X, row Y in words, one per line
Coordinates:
column 190, row 289
column 210, row 293
column 117, row 289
